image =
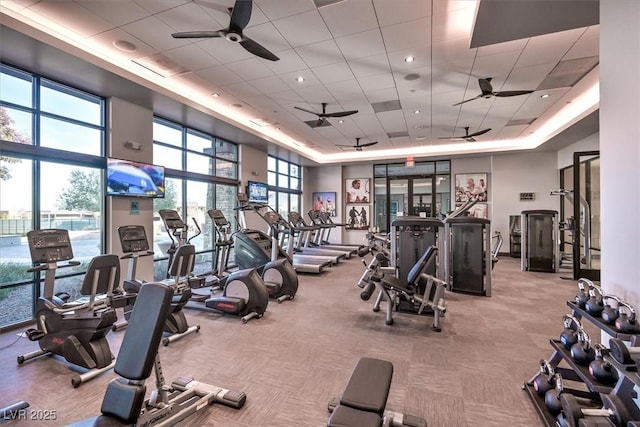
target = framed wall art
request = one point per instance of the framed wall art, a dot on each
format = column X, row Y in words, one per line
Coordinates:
column 357, row 217
column 472, row 185
column 325, row 202
column 357, row 190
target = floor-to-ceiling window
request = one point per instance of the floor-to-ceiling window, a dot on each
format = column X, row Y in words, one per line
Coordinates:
column 52, row 140
column 201, row 174
column 285, row 185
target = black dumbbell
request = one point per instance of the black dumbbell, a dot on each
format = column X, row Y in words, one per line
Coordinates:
column 612, row 408
column 621, row 353
column 626, row 322
column 568, row 337
column 545, row 380
column 552, row 397
column 582, row 352
column 583, row 292
column 601, row 370
column 610, row 313
column 594, row 304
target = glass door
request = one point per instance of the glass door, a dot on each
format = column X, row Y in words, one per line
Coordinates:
column 422, row 197
column 586, row 208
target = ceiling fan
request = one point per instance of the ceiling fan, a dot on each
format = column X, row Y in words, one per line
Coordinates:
column 240, row 16
column 467, row 136
column 358, row 146
column 488, row 92
column 322, row 117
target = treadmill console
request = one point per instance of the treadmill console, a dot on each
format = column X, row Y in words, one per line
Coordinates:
column 49, row 245
column 133, row 238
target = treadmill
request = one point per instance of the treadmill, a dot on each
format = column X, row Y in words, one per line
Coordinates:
column 302, row 243
column 323, row 220
column 269, row 244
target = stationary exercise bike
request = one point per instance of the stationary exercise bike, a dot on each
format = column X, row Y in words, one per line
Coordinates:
column 244, row 293
column 75, row 330
column 278, row 275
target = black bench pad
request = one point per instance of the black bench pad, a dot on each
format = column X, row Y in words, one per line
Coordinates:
column 368, row 387
column 344, row 416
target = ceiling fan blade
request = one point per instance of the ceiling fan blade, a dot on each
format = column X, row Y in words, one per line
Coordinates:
column 485, row 86
column 478, row 133
column 368, row 144
column 257, row 49
column 343, row 145
column 340, row 113
column 467, row 100
column 470, row 139
column 512, row 93
column 241, row 14
column 197, row 34
column 306, row 111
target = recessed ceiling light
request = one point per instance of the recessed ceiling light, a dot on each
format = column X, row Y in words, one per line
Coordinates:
column 416, row 111
column 300, row 79
column 419, row 138
column 409, row 59
column 545, row 95
column 125, row 45
column 235, row 105
column 340, row 121
column 215, row 94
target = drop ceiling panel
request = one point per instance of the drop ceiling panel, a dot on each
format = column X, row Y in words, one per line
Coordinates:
column 303, row 29
column 250, row 69
column 361, row 45
column 267, row 35
column 269, row 85
column 382, row 95
column 155, row 6
column 223, row 50
column 394, row 12
column 376, row 83
column 124, row 13
column 369, row 66
column 192, row 57
column 155, row 33
column 407, row 34
column 188, row 17
column 330, row 73
column 107, row 38
column 368, row 122
column 220, row 74
column 278, row 9
column 392, row 121
column 322, row 53
column 287, row 97
column 349, row 17
column 315, row 94
column 536, row 52
column 83, row 21
column 290, row 79
column 421, row 55
column 289, row 61
column 348, row 90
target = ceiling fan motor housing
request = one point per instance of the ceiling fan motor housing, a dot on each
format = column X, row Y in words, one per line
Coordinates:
column 233, row 37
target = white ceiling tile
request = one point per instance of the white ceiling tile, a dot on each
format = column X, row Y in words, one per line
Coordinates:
column 289, row 61
column 382, row 95
column 83, row 21
column 543, row 50
column 157, row 6
column 189, row 17
column 360, row 45
column 109, row 37
column 155, row 33
column 392, row 121
column 220, row 75
column 453, row 56
column 323, row 53
column 277, row 9
column 19, row 4
column 409, row 34
column 333, row 72
column 497, row 66
column 125, row 12
column 267, row 35
column 369, row 66
column 290, row 79
column 250, row 69
column 192, row 57
column 394, row 12
column 375, row 83
column 223, row 50
column 421, row 58
column 527, row 78
column 316, row 95
column 492, row 49
column 242, row 91
column 346, row 91
column 269, row 85
column 305, row 28
column 455, row 24
column 349, row 17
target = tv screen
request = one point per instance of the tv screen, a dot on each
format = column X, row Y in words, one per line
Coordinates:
column 257, row 192
column 134, row 179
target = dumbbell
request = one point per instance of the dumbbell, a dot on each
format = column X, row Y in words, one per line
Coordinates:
column 582, row 352
column 583, row 292
column 594, row 304
column 601, row 370
column 552, row 397
column 612, row 408
column 568, row 337
column 623, row 354
column 545, row 380
column 595, row 422
column 609, row 313
column 626, row 322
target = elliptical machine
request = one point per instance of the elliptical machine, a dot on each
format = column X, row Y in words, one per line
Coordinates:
column 244, row 293
column 75, row 330
column 278, row 275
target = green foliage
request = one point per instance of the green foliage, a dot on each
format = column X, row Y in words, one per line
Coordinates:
column 169, row 201
column 84, row 192
column 12, row 272
column 8, row 132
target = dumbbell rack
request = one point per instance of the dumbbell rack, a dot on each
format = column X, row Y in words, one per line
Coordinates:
column 628, row 376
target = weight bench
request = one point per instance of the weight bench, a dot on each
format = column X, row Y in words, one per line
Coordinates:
column 123, row 402
column 364, row 399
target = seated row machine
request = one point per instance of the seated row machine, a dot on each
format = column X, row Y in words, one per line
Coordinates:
column 364, row 399
column 124, row 402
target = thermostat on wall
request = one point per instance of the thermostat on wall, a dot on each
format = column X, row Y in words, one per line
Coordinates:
column 527, row 196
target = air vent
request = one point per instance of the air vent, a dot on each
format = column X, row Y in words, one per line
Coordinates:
column 568, row 73
column 392, row 105
column 520, row 122
column 318, row 123
column 323, row 3
column 397, row 134
column 161, row 65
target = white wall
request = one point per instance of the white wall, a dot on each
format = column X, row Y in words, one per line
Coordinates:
column 129, row 122
column 324, row 179
column 355, row 237
column 252, row 167
column 620, row 148
column 565, row 155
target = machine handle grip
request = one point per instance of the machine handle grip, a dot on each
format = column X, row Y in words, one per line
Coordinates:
column 367, row 291
column 45, row 266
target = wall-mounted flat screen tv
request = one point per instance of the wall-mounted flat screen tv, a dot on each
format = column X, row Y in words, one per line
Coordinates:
column 257, row 192
column 134, row 179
